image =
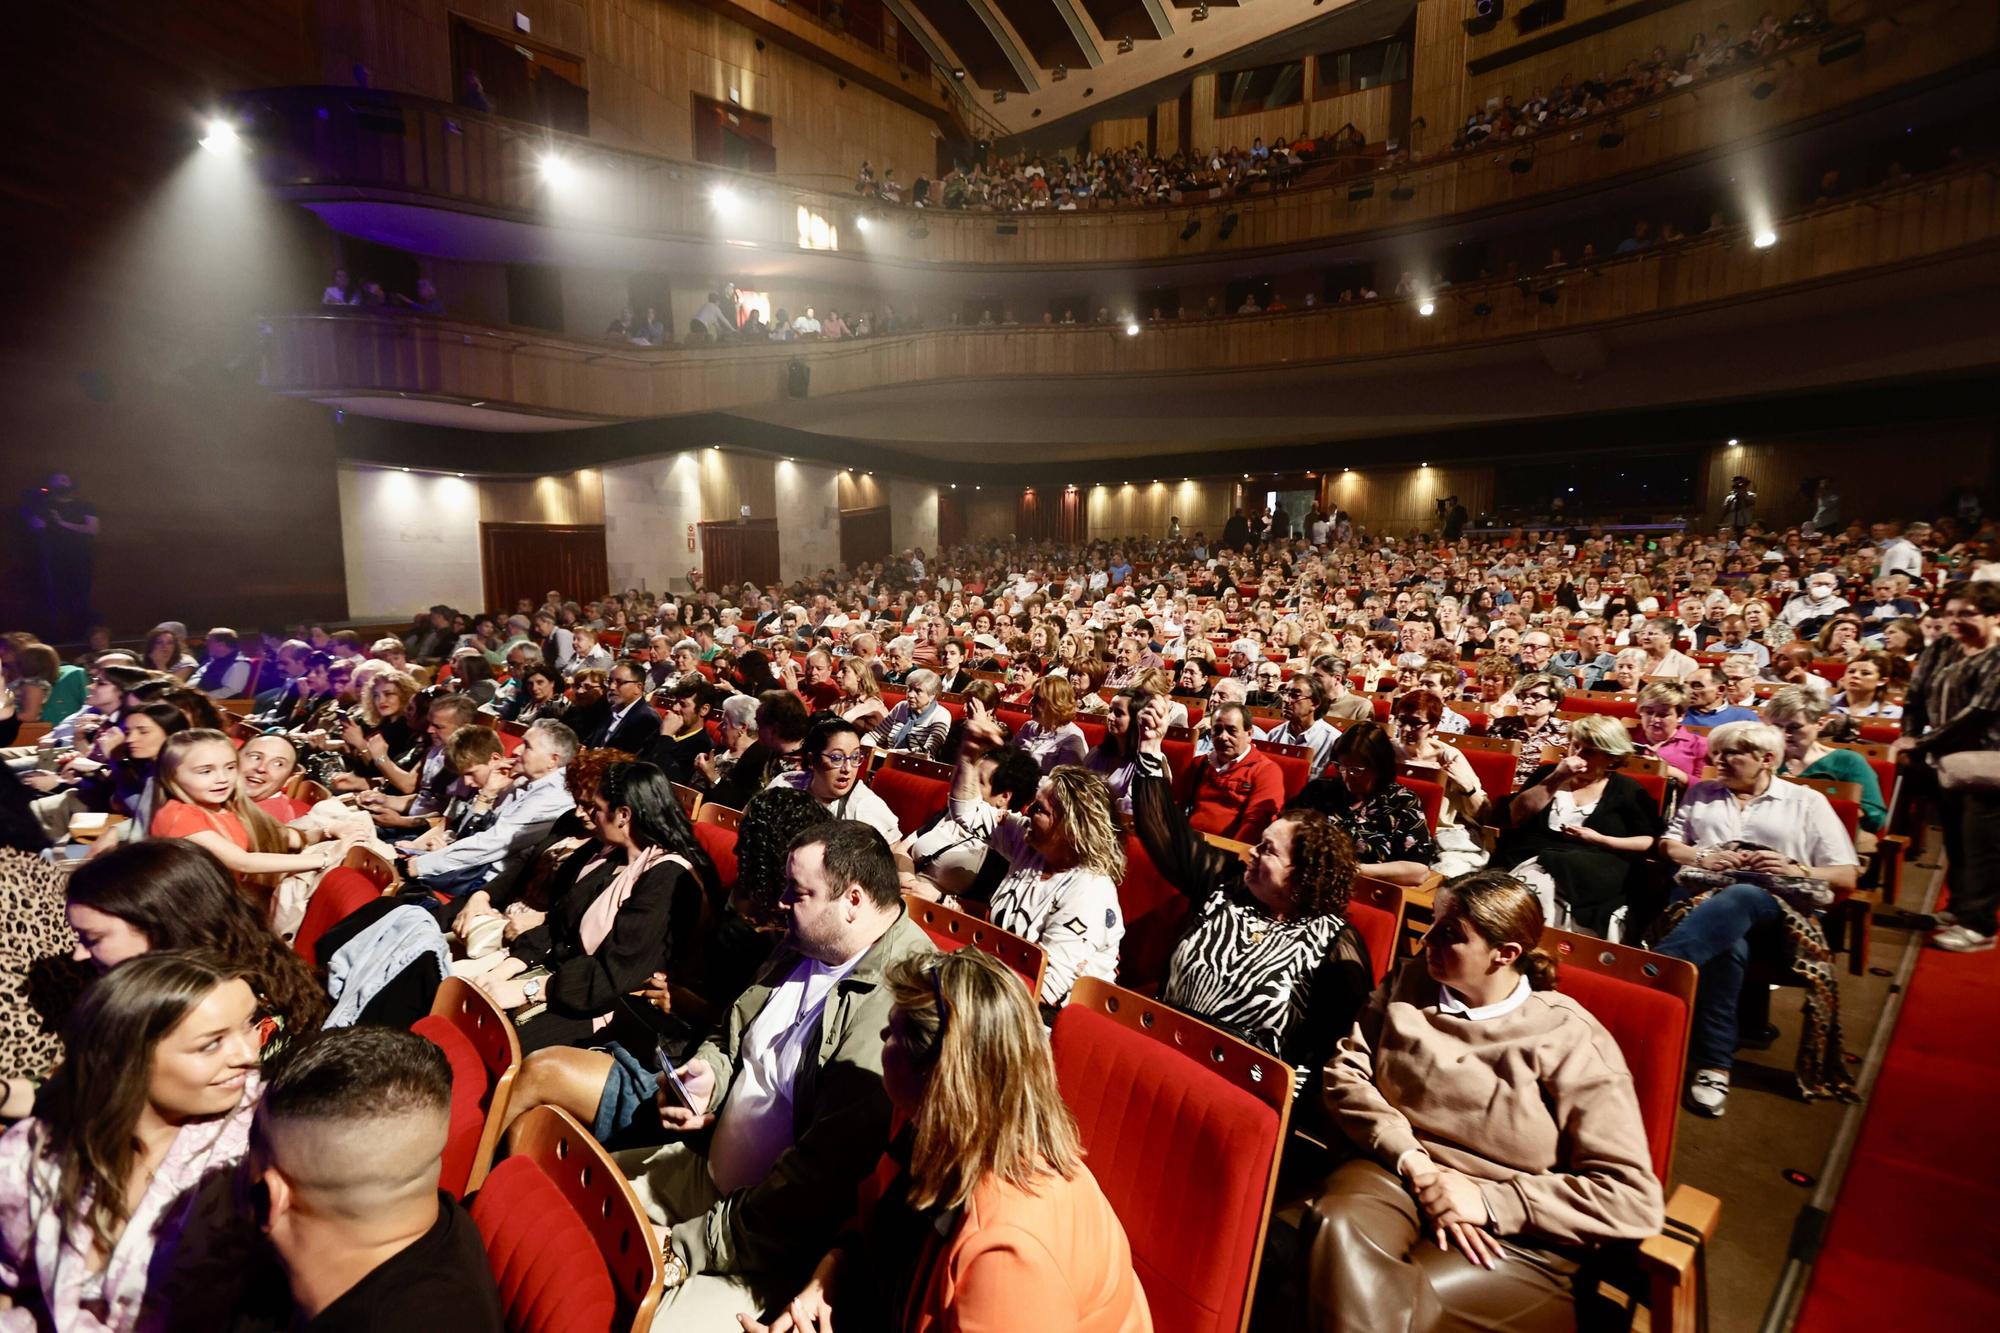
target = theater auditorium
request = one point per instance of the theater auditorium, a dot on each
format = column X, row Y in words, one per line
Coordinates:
column 1000, row 666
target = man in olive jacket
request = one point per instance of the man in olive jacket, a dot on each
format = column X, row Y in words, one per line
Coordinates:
column 792, row 1090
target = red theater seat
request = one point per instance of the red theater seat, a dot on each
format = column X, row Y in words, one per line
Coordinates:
column 340, row 892
column 1182, row 1125
column 1155, row 914
column 485, row 1054
column 953, row 930
column 914, row 794
column 571, row 1249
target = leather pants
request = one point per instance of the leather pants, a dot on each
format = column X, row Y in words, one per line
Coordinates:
column 1372, row 1269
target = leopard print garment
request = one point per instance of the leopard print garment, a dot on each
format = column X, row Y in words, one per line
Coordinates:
column 40, row 979
column 1821, row 1065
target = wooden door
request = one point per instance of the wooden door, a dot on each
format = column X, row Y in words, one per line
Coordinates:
column 864, row 535
column 735, row 553
column 527, row 559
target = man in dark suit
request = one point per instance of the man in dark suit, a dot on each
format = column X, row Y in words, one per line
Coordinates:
column 633, row 724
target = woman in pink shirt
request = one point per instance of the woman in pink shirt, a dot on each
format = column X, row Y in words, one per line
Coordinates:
column 1662, row 705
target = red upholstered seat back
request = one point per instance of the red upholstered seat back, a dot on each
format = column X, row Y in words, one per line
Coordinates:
column 1014, row 718
column 1585, row 702
column 914, row 797
column 1180, row 764
column 340, row 892
column 1649, row 1023
column 1297, row 771
column 1155, row 915
column 1495, row 770
column 1431, row 794
column 1092, row 729
column 551, row 1276
column 1183, row 1154
column 1881, row 733
column 1654, row 783
column 471, row 1088
column 720, row 844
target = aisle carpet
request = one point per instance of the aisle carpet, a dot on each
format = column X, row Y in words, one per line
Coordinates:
column 1915, row 1237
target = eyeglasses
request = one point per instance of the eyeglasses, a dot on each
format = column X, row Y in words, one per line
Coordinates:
column 841, row 759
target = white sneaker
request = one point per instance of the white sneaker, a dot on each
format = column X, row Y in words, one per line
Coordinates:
column 1960, row 939
column 1709, row 1093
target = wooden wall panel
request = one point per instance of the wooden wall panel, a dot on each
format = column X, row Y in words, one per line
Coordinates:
column 989, row 515
column 644, row 62
column 1604, row 55
column 1144, row 509
column 1120, row 133
column 1399, row 501
column 1437, row 75
column 1863, row 468
column 731, row 480
column 1368, row 110
column 571, row 499
column 862, row 490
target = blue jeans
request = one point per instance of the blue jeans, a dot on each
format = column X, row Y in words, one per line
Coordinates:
column 1717, row 937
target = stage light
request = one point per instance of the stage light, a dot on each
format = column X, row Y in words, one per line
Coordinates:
column 1764, row 239
column 1201, row 13
column 1733, row 443
column 862, row 224
column 1132, row 329
column 1059, row 73
column 1124, row 46
column 1426, row 307
column 557, row 170
column 221, row 137
column 724, row 199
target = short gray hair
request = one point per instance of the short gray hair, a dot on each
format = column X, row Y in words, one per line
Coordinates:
column 1794, row 702
column 741, row 711
column 921, row 679
column 561, row 739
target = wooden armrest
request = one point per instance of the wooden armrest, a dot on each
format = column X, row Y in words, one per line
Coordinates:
column 1423, row 895
column 1240, row 850
column 1696, row 1210
column 1674, row 1299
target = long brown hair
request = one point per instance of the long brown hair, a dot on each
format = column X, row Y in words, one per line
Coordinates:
column 91, row 1108
column 181, row 898
column 990, row 1105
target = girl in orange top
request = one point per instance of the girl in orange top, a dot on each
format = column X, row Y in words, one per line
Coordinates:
column 994, row 1222
column 206, row 805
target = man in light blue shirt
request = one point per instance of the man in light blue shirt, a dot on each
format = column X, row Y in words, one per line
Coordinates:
column 525, row 812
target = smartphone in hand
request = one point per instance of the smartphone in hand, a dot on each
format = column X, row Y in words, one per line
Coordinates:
column 672, row 1091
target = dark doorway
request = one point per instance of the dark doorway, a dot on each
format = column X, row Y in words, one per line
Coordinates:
column 728, row 136
column 737, row 553
column 527, row 559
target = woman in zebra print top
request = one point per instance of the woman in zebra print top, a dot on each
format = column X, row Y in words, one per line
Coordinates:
column 1268, row 954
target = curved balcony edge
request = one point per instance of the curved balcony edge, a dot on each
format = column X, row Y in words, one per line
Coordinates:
column 329, row 144
column 355, row 356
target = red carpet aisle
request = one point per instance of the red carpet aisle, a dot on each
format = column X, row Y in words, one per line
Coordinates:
column 1915, row 1237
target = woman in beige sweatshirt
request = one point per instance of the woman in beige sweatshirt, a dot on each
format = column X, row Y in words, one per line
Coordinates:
column 1501, row 1147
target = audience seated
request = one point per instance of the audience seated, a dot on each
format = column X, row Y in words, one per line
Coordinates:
column 752, row 961
column 1065, row 858
column 114, row 1196
column 792, row 1090
column 967, row 1065
column 1502, row 1154
column 345, row 1152
column 1760, row 858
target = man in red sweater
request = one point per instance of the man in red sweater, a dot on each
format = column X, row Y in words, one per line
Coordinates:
column 1237, row 789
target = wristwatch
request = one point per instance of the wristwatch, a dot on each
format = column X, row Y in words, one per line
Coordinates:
column 531, row 990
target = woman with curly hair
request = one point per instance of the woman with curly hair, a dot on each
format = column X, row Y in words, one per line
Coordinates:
column 1065, row 857
column 1269, row 953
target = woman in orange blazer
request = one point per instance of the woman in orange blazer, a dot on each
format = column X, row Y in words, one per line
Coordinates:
column 992, row 1222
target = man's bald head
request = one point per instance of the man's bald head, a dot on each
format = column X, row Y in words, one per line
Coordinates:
column 355, row 1122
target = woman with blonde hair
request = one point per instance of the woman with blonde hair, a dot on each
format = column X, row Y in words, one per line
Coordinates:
column 967, row 1062
column 1501, row 1145
column 1799, row 713
column 1052, row 736
column 1065, row 857
column 860, row 700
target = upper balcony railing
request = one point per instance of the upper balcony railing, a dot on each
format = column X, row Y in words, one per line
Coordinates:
column 327, row 143
column 355, row 355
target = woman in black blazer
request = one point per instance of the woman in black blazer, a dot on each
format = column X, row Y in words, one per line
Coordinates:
column 623, row 907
